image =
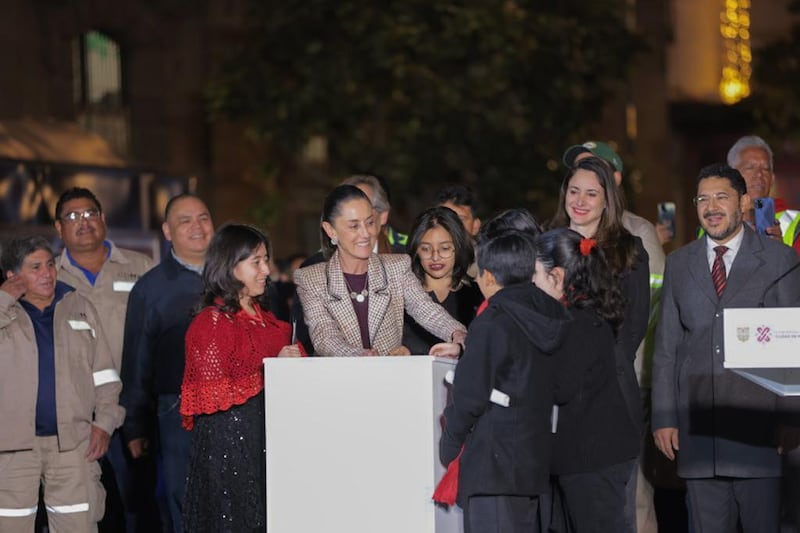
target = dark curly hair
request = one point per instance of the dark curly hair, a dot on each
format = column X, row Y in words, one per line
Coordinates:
column 588, row 282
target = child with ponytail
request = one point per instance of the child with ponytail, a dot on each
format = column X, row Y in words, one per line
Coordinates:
column 596, row 443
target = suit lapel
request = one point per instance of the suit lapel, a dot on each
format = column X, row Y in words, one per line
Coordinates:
column 745, row 265
column 700, row 272
column 379, row 297
column 340, row 304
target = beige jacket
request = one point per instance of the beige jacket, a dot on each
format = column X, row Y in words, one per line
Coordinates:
column 393, row 288
column 110, row 292
column 87, row 385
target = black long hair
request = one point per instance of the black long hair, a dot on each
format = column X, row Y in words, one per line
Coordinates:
column 231, row 244
column 448, row 220
column 588, row 281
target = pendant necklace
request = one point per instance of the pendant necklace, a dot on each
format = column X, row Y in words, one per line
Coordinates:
column 358, row 296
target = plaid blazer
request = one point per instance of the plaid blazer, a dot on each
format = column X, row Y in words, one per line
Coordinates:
column 393, row 288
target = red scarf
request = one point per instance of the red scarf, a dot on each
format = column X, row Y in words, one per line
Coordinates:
column 224, row 353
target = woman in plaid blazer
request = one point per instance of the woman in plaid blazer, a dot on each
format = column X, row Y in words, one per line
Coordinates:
column 354, row 303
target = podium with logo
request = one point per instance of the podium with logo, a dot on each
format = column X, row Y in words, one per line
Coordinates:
column 352, row 444
column 763, row 345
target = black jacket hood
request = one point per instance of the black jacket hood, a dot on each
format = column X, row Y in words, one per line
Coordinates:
column 542, row 318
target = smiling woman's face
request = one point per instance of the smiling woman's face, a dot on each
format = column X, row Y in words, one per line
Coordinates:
column 355, row 228
column 584, row 202
column 253, row 272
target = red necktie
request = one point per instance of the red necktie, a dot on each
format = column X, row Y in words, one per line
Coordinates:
column 718, row 270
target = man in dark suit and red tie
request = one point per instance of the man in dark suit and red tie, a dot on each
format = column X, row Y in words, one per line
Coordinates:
column 723, row 430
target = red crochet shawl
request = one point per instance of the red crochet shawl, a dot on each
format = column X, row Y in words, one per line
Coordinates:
column 224, row 354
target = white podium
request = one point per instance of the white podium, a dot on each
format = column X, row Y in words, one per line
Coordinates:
column 763, row 345
column 352, row 445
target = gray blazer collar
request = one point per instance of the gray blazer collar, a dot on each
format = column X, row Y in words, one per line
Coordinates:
column 746, row 265
column 376, row 277
column 748, row 260
column 341, row 305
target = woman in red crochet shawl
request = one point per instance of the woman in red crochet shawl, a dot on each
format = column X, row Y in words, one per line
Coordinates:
column 222, row 397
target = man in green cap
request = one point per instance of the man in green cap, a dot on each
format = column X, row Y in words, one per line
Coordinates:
column 639, row 507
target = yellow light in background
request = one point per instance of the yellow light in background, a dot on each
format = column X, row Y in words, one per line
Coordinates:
column 731, row 91
column 631, row 121
column 734, row 27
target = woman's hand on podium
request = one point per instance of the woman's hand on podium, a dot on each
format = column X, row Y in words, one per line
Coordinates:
column 290, row 350
column 446, row 349
column 459, row 337
column 400, row 350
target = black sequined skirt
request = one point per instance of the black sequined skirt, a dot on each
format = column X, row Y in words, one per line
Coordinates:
column 226, row 485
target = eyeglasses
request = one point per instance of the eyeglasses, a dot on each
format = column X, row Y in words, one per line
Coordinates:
column 705, row 199
column 445, row 251
column 74, row 217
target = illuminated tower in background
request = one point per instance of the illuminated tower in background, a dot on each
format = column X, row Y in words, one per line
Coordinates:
column 734, row 28
column 710, row 54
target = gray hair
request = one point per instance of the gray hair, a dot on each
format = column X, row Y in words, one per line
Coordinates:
column 748, row 141
column 380, row 200
column 19, row 248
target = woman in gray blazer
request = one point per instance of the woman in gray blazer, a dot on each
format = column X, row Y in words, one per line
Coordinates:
column 354, row 303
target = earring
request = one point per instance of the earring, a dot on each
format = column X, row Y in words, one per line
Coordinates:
column 334, row 241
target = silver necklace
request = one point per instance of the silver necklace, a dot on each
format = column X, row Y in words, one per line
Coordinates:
column 358, row 296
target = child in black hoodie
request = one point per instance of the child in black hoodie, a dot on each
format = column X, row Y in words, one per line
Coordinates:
column 504, row 466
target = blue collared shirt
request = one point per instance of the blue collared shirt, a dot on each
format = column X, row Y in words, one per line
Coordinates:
column 188, row 266
column 91, row 277
column 46, row 422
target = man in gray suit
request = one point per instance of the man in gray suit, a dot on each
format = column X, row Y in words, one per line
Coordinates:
column 723, row 427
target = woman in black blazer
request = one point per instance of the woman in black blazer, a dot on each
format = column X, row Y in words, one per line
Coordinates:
column 591, row 204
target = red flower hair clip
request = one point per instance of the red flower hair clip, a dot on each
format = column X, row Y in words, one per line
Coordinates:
column 587, row 245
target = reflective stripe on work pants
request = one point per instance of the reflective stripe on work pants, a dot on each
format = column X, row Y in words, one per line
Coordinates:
column 73, row 495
